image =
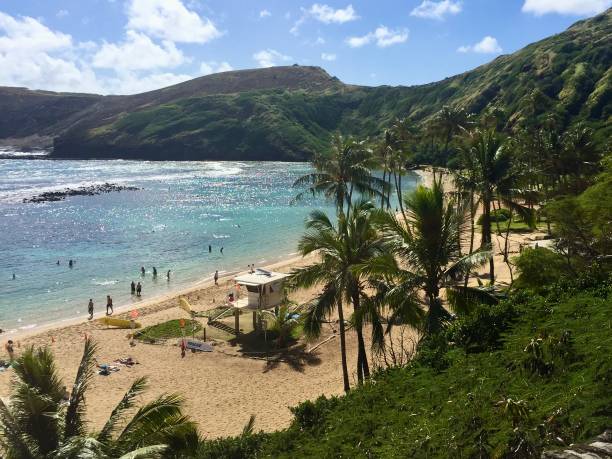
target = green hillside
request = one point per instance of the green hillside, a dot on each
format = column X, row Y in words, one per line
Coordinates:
column 567, row 77
column 508, row 381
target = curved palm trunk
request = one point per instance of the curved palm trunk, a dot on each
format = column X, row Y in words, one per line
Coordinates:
column 345, row 378
column 382, row 198
column 472, row 231
column 363, row 369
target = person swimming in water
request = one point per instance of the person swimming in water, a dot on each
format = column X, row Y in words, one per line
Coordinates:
column 14, row 277
column 154, row 271
column 221, row 250
column 168, row 275
column 70, row 264
column 209, row 248
column 142, row 271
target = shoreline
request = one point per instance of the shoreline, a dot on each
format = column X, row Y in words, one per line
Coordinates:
column 145, row 306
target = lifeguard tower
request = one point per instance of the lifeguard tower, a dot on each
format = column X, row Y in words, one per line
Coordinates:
column 259, row 290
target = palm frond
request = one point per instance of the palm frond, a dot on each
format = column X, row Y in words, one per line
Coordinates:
column 76, row 409
column 249, row 427
column 467, row 263
column 463, row 299
column 126, row 403
column 319, row 309
column 145, row 452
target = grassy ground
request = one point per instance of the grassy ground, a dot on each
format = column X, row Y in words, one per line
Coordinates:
column 167, row 330
column 509, row 381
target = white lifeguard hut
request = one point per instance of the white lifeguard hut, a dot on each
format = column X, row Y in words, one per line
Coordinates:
column 264, row 291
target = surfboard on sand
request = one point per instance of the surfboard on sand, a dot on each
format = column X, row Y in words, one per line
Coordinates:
column 118, row 323
column 197, row 345
column 184, row 304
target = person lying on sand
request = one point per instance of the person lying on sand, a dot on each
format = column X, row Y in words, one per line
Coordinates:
column 127, row 361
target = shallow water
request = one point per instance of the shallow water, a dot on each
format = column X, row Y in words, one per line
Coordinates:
column 181, row 209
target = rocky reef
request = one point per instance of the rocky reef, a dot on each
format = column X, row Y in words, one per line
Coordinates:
column 92, row 190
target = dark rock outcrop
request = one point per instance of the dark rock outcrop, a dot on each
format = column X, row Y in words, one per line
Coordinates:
column 599, row 448
column 92, row 190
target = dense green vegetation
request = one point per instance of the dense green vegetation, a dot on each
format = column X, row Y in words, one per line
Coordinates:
column 293, row 111
column 506, row 381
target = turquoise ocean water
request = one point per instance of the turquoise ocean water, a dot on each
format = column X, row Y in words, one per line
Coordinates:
column 181, row 209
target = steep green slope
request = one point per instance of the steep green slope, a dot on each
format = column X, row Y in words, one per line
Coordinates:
column 287, row 113
column 539, row 379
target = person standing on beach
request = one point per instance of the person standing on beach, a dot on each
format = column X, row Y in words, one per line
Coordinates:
column 133, row 288
column 138, row 289
column 90, row 309
column 109, row 305
column 216, row 278
column 10, row 350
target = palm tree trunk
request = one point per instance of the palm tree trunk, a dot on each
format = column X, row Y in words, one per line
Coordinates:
column 472, row 231
column 345, row 378
column 382, row 198
column 486, row 233
column 398, row 190
column 363, row 369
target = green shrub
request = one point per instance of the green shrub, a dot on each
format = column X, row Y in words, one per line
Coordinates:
column 482, row 328
column 539, row 267
column 498, row 215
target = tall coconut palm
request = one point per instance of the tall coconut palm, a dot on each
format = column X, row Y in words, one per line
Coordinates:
column 447, row 123
column 342, row 248
column 38, row 424
column 492, row 178
column 340, row 172
column 424, row 256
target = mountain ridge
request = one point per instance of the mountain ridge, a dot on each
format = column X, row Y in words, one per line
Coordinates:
column 288, row 113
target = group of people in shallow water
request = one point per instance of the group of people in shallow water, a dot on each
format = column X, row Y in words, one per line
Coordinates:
column 135, row 289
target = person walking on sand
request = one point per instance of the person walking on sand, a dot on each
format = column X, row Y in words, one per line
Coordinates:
column 216, row 278
column 10, row 350
column 138, row 289
column 133, row 288
column 90, row 309
column 109, row 305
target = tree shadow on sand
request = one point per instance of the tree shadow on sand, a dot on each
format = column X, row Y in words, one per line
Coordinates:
column 294, row 353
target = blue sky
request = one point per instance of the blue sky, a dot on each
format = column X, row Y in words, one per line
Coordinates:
column 129, row 46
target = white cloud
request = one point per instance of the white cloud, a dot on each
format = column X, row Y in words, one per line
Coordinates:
column 206, row 68
column 264, row 14
column 575, row 7
column 138, row 52
column 319, row 41
column 270, row 58
column 325, row 14
column 34, row 56
column 328, row 57
column 488, row 45
column 436, row 9
column 61, row 13
column 382, row 36
column 170, row 20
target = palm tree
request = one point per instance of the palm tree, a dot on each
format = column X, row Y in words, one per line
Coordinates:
column 400, row 138
column 342, row 249
column 447, row 123
column 492, row 178
column 424, row 256
column 38, row 423
column 340, row 172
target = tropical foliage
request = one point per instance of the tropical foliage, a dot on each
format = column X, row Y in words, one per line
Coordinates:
column 38, row 422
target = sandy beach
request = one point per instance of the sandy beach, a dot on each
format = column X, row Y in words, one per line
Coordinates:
column 223, row 388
